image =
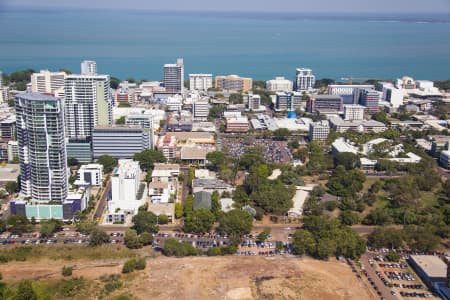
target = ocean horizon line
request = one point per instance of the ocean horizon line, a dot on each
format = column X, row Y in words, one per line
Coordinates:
column 267, row 15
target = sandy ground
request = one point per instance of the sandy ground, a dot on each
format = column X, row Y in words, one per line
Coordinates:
column 227, row 278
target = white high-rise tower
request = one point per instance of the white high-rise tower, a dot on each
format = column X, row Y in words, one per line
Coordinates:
column 42, row 150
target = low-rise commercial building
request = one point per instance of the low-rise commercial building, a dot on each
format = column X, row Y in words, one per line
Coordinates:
column 90, row 175
column 288, row 101
column 341, row 125
column 319, row 130
column 237, row 124
column 120, row 141
column 353, row 112
column 279, row 84
column 200, row 82
column 234, row 83
column 317, row 103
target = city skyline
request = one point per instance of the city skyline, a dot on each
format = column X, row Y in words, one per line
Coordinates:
column 320, row 6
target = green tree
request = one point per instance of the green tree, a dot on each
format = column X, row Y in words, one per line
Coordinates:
column 19, row 224
column 121, row 120
column 72, row 161
column 215, row 158
column 199, row 221
column 378, row 216
column 146, row 238
column 274, row 197
column 178, row 210
column 215, row 204
column 281, row 134
column 172, row 247
column 163, row 219
column 235, row 222
column 131, row 239
column 114, row 82
column 236, row 98
column 393, row 256
column 385, row 237
column 98, row 237
column 148, row 158
column 66, row 271
column 215, row 112
column 2, row 225
column 145, row 221
column 303, row 242
column 129, row 266
column 108, row 163
column 49, row 227
column 85, row 226
column 11, row 187
column 349, row 160
column 263, row 235
column 25, row 291
column 349, row 218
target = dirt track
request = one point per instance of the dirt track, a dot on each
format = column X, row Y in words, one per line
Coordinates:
column 215, row 277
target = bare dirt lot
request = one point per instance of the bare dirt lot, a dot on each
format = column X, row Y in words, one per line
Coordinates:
column 214, row 277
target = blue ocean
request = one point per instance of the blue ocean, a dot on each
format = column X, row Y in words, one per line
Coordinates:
column 137, row 44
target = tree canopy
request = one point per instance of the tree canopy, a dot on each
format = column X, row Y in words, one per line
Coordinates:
column 145, row 221
column 108, row 162
column 148, row 158
column 199, row 221
column 235, row 222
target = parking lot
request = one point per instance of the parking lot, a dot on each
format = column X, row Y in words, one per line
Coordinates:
column 274, row 151
column 393, row 280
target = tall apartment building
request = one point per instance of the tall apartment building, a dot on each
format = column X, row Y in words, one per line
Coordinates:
column 288, row 101
column 88, row 104
column 174, row 77
column 304, row 80
column 46, row 82
column 353, row 112
column 120, row 141
column 125, row 182
column 42, row 149
column 325, row 103
column 319, row 130
column 200, row 82
column 279, row 84
column 233, row 83
column 200, row 110
column 1, row 79
column 88, row 67
column 370, row 99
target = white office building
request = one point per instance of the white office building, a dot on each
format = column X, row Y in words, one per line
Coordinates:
column 174, row 77
column 200, row 82
column 304, row 80
column 13, row 150
column 91, row 175
column 88, row 103
column 319, row 130
column 125, row 184
column 353, row 112
column 88, row 67
column 46, row 82
column 200, row 109
column 254, row 102
column 279, row 84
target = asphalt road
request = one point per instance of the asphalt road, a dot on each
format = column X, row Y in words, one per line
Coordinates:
column 102, row 201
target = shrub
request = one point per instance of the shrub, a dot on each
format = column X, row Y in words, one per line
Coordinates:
column 67, row 271
column 129, row 266
column 140, row 263
column 172, row 247
column 112, row 282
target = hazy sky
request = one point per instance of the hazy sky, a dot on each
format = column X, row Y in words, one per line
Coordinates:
column 334, row 6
